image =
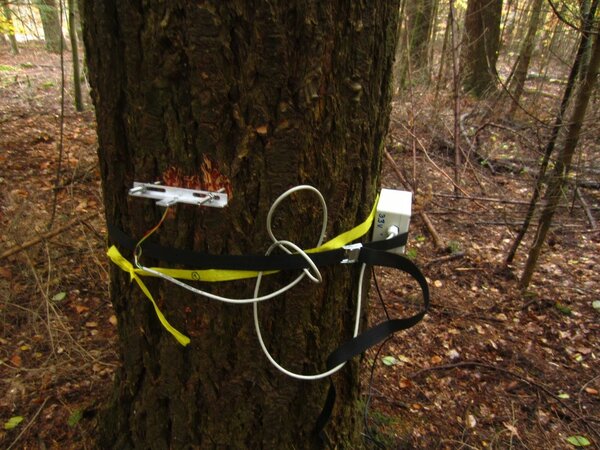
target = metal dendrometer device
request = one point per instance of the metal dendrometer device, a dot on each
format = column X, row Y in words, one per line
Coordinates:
column 389, row 219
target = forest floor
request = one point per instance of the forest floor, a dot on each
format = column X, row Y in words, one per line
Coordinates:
column 489, row 366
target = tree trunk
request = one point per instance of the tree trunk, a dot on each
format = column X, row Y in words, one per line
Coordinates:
column 443, row 53
column 481, row 46
column 549, row 149
column 563, row 165
column 14, row 48
column 522, row 65
column 419, row 19
column 271, row 95
column 51, row 25
column 75, row 54
column 588, row 11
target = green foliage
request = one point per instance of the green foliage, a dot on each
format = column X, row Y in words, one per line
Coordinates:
column 47, row 84
column 59, row 297
column 454, row 247
column 13, row 422
column 6, row 68
column 578, row 441
column 389, row 360
column 75, row 417
column 6, row 26
column 563, row 308
column 411, row 253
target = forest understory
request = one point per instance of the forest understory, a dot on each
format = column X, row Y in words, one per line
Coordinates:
column 489, row 367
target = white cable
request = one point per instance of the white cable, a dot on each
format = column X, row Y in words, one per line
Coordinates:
column 241, row 300
column 302, row 187
column 285, row 246
column 259, row 279
column 282, row 369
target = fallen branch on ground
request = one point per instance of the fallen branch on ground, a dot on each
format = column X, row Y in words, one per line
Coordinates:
column 437, row 241
column 47, row 235
column 446, row 258
column 396, row 169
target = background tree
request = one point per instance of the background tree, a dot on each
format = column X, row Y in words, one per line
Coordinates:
column 554, row 134
column 51, row 24
column 75, row 55
column 7, row 27
column 562, row 167
column 481, row 46
column 522, row 65
column 414, row 41
column 273, row 94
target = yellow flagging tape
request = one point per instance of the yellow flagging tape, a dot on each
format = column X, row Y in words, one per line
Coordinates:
column 348, row 236
column 116, row 257
column 217, row 275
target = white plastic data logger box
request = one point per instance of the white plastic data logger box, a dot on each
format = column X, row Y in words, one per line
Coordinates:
column 393, row 210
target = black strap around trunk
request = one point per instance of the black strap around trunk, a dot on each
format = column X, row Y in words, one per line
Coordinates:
column 371, row 253
column 379, row 332
column 199, row 261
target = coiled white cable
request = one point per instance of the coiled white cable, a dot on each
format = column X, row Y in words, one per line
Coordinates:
column 282, row 369
column 289, row 247
column 259, row 279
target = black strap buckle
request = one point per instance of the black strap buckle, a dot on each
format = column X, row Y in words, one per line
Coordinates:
column 351, row 253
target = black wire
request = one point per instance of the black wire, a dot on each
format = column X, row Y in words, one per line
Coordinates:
column 368, row 433
column 387, row 314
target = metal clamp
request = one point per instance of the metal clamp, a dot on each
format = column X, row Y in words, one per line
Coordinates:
column 170, row 195
column 352, row 251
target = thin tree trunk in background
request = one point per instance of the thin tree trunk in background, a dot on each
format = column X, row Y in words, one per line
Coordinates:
column 75, row 52
column 399, row 58
column 587, row 12
column 78, row 28
column 432, row 38
column 544, row 67
column 558, row 123
column 14, row 48
column 456, row 98
column 51, row 25
column 443, row 56
column 481, row 46
column 505, row 28
column 522, row 66
column 32, row 20
column 519, row 27
column 561, row 170
column 414, row 43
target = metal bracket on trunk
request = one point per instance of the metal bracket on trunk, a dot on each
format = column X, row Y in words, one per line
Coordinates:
column 170, row 195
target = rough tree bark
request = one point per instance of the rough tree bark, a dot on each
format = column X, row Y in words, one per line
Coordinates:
column 273, row 94
column 481, row 46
